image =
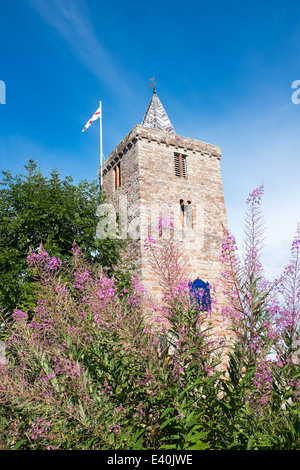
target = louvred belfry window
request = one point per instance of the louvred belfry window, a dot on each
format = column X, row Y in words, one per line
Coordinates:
column 180, row 165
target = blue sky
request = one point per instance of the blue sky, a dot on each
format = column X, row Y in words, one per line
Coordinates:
column 224, row 73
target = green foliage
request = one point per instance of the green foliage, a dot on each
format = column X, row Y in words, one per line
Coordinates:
column 35, row 209
column 88, row 371
column 95, row 368
column 81, row 376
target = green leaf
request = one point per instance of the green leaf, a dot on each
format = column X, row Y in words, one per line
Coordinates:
column 198, row 446
column 250, row 442
column 90, row 442
column 19, row 444
column 168, row 421
column 168, row 447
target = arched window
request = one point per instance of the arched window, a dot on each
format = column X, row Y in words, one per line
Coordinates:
column 200, row 294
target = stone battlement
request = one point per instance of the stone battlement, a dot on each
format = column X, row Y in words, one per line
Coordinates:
column 179, row 143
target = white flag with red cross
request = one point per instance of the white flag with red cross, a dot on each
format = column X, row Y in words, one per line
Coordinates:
column 95, row 116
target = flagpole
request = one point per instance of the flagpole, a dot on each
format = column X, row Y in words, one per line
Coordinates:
column 101, row 150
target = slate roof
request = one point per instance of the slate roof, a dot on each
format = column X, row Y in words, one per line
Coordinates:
column 156, row 116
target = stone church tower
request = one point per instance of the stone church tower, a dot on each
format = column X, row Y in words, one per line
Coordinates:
column 154, row 171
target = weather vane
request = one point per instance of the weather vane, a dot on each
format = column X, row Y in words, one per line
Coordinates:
column 152, row 84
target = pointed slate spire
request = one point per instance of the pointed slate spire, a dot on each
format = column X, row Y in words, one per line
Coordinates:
column 156, row 116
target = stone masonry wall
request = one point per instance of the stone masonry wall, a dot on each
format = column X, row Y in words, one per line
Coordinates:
column 125, row 199
column 149, row 186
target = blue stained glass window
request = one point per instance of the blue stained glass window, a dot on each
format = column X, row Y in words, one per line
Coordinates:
column 200, row 294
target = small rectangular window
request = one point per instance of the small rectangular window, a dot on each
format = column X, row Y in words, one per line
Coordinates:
column 117, row 170
column 180, row 165
column 186, row 213
column 182, row 211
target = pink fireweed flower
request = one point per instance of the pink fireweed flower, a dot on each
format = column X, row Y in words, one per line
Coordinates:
column 149, row 243
column 81, row 278
column 256, row 195
column 18, row 315
column 166, row 221
column 42, row 260
column 54, row 263
column 39, row 428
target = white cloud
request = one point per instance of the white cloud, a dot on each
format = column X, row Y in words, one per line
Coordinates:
column 71, row 20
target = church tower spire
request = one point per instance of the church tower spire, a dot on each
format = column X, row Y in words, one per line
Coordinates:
column 156, row 116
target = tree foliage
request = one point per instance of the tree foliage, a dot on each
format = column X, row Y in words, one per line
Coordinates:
column 35, row 209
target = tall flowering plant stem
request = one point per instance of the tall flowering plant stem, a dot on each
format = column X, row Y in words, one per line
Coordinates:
column 253, row 233
column 249, row 310
column 247, row 291
column 166, row 257
column 287, row 347
column 289, row 288
column 189, row 350
column 286, row 370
